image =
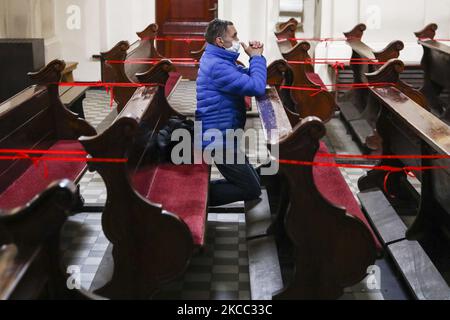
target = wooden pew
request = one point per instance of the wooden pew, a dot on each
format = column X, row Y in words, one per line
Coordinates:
column 317, row 101
column 331, row 247
column 29, row 244
column 162, row 71
column 436, row 64
column 155, row 215
column 37, row 119
column 353, row 105
column 408, row 128
column 286, row 30
column 280, row 73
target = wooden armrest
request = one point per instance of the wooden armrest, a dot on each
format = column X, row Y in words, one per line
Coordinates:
column 292, row 24
column 426, row 125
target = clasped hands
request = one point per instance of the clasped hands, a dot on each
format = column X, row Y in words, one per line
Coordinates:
column 254, row 48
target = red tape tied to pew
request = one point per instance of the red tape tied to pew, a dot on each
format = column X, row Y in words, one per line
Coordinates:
column 109, row 86
column 443, row 40
column 350, row 86
column 389, row 169
column 320, row 39
column 337, row 64
column 187, row 40
column 19, row 154
column 139, row 61
column 408, row 170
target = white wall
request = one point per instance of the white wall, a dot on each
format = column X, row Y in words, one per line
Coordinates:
column 386, row 20
column 105, row 22
column 254, row 20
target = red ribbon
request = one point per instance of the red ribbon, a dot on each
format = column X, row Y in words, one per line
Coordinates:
column 390, row 169
column 386, row 177
column 338, row 65
column 36, row 162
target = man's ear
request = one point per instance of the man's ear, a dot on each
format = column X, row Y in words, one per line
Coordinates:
column 219, row 42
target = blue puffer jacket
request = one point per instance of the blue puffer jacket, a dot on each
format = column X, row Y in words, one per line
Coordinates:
column 222, row 86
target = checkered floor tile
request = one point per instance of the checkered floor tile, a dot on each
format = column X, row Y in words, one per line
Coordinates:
column 184, row 98
column 221, row 270
column 97, row 106
column 83, row 245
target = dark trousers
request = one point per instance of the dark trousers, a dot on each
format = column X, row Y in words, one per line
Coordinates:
column 241, row 183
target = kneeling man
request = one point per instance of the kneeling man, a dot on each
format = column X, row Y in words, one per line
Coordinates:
column 222, row 86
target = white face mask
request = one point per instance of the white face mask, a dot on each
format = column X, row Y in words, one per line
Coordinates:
column 234, row 47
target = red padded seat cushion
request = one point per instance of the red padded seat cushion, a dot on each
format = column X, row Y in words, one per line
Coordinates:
column 171, row 82
column 334, row 188
column 314, row 77
column 181, row 190
column 248, row 103
column 33, row 181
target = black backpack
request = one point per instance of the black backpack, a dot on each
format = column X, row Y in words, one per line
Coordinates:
column 150, row 147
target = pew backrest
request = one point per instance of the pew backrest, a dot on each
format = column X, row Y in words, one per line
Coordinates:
column 29, row 238
column 34, row 119
column 143, row 48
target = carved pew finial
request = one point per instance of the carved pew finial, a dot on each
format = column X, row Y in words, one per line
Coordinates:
column 118, row 52
column 148, row 33
column 68, row 125
column 428, row 32
column 276, row 72
column 389, row 72
column 392, row 51
column 297, row 52
column 159, row 73
column 50, row 74
column 356, row 33
column 286, row 30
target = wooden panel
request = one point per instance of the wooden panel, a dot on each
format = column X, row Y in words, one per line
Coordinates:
column 14, row 115
column 264, row 268
column 257, row 216
column 382, row 216
column 421, row 275
column 427, row 126
column 20, row 98
column 183, row 19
